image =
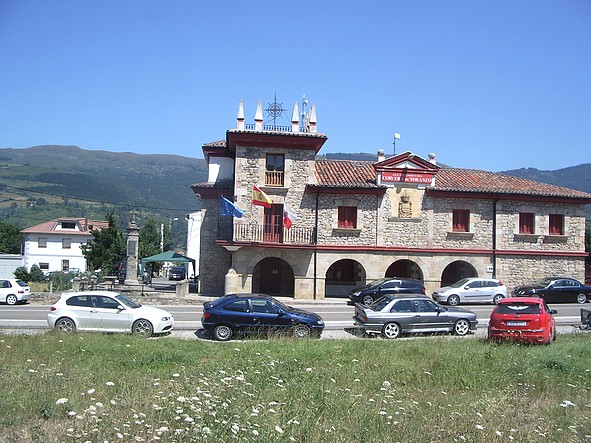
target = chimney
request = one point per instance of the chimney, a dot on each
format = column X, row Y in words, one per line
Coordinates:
column 381, row 155
column 240, row 116
column 295, row 119
column 313, row 119
column 258, row 117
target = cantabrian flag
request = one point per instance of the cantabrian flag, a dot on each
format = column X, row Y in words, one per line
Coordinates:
column 259, row 198
column 288, row 217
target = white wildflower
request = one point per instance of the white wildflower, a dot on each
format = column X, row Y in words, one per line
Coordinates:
column 479, row 427
column 278, row 429
column 61, row 401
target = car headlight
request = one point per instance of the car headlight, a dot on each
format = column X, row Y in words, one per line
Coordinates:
column 356, row 294
column 165, row 318
column 320, row 322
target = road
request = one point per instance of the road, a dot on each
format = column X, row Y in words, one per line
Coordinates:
column 337, row 315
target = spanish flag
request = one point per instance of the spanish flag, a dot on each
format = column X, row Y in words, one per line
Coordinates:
column 259, row 198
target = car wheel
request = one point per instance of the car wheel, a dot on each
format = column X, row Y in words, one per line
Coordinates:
column 582, row 298
column 11, row 299
column 391, row 330
column 223, row 332
column 461, row 327
column 453, row 300
column 497, row 298
column 143, row 328
column 301, row 331
column 65, row 325
column 367, row 299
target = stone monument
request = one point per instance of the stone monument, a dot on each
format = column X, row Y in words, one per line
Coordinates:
column 133, row 237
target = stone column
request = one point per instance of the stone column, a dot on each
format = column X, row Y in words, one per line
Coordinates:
column 133, row 237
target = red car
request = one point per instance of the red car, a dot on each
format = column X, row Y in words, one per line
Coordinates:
column 526, row 319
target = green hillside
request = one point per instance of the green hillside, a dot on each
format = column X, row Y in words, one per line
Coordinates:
column 44, row 182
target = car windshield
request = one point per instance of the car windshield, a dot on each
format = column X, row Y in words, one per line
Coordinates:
column 460, row 283
column 22, row 283
column 127, row 301
column 518, row 308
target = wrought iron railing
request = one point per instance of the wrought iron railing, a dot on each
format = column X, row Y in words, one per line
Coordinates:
column 253, row 232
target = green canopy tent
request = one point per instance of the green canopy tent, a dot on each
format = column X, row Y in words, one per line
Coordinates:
column 169, row 256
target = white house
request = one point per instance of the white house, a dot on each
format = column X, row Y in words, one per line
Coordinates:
column 55, row 244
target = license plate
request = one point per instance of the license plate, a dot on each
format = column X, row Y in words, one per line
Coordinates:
column 516, row 323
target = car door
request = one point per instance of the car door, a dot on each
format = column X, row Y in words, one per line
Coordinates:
column 402, row 312
column 4, row 290
column 388, row 287
column 472, row 292
column 78, row 308
column 238, row 315
column 567, row 290
column 108, row 316
column 269, row 316
column 427, row 315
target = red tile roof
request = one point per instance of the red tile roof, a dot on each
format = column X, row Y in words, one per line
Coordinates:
column 361, row 174
column 472, row 180
column 345, row 174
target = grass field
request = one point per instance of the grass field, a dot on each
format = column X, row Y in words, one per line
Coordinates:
column 117, row 388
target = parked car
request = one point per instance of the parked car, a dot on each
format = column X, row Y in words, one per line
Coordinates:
column 13, row 291
column 259, row 314
column 378, row 288
column 106, row 311
column 556, row 290
column 525, row 319
column 472, row 290
column 177, row 273
column 393, row 315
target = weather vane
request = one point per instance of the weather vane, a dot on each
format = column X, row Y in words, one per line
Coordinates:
column 275, row 109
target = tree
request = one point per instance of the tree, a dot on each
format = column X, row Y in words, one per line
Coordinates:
column 107, row 248
column 11, row 239
column 149, row 240
column 36, row 274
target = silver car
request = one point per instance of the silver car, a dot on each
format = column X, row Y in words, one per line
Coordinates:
column 13, row 291
column 393, row 315
column 472, row 290
column 106, row 311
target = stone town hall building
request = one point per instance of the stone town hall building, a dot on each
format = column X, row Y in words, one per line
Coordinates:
column 356, row 221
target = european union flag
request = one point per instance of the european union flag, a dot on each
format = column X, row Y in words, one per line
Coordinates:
column 229, row 208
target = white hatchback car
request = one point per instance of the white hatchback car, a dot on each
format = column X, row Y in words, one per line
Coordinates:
column 13, row 291
column 472, row 290
column 106, row 311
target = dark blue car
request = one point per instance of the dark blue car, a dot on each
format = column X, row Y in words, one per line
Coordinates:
column 257, row 313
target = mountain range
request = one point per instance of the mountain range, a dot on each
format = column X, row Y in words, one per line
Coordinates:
column 45, row 182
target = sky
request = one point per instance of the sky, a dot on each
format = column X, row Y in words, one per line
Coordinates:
column 493, row 85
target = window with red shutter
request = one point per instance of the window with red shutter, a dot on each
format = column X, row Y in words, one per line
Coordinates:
column 526, row 223
column 461, row 220
column 347, row 217
column 556, row 224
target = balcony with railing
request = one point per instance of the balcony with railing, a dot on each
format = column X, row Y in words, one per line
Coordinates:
column 266, row 233
column 274, row 178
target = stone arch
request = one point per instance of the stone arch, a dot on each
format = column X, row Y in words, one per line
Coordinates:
column 273, row 276
column 406, row 269
column 456, row 271
column 342, row 276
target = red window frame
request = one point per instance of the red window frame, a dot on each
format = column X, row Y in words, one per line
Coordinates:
column 461, row 220
column 526, row 223
column 556, row 224
column 347, row 217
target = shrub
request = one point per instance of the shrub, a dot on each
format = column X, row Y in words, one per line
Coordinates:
column 21, row 273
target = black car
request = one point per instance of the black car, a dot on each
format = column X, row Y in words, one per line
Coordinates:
column 378, row 288
column 556, row 290
column 257, row 313
column 177, row 273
